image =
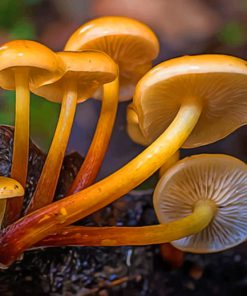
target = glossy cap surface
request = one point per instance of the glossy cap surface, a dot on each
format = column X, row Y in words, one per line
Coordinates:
column 219, row 81
column 219, row 178
column 9, row 188
column 43, row 65
column 130, row 43
column 89, row 69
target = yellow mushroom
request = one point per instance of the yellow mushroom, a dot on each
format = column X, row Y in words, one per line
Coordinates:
column 133, row 46
column 208, row 92
column 9, row 188
column 24, row 63
column 217, row 179
column 130, row 43
column 85, row 72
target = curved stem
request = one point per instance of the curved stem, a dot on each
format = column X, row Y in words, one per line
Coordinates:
column 21, row 143
column 29, row 230
column 92, row 163
column 201, row 216
column 47, row 183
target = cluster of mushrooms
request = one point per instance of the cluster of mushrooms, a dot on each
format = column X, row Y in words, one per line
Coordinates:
column 200, row 201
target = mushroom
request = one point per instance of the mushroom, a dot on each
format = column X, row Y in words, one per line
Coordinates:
column 9, row 188
column 24, row 63
column 85, row 72
column 133, row 46
column 221, row 179
column 201, row 200
column 213, row 87
column 130, row 43
column 230, row 87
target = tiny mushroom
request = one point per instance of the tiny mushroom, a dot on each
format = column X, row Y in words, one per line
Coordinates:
column 24, row 63
column 202, row 205
column 213, row 89
column 133, row 46
column 85, row 72
column 9, row 188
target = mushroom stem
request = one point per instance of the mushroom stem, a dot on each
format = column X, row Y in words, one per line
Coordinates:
column 2, row 209
column 93, row 160
column 21, row 143
column 34, row 227
column 202, row 214
column 47, row 183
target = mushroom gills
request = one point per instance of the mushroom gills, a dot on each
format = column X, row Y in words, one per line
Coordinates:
column 221, row 179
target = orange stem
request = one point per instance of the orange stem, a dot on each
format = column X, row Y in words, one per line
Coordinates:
column 94, row 158
column 202, row 214
column 19, row 167
column 47, row 183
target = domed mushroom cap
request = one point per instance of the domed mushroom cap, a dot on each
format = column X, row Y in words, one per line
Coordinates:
column 133, row 128
column 89, row 69
column 219, row 81
column 130, row 43
column 10, row 188
column 219, row 178
column 43, row 64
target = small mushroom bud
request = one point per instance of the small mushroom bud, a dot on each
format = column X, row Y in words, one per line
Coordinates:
column 9, row 188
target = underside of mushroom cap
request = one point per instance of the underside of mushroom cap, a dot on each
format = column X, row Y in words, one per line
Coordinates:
column 88, row 69
column 218, row 81
column 43, row 65
column 130, row 43
column 219, row 178
column 133, row 128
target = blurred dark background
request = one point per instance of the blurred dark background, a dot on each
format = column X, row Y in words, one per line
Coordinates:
column 183, row 27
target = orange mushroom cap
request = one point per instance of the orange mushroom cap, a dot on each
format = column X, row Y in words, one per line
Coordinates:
column 220, row 179
column 43, row 64
column 218, row 81
column 90, row 69
column 130, row 43
column 9, row 188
